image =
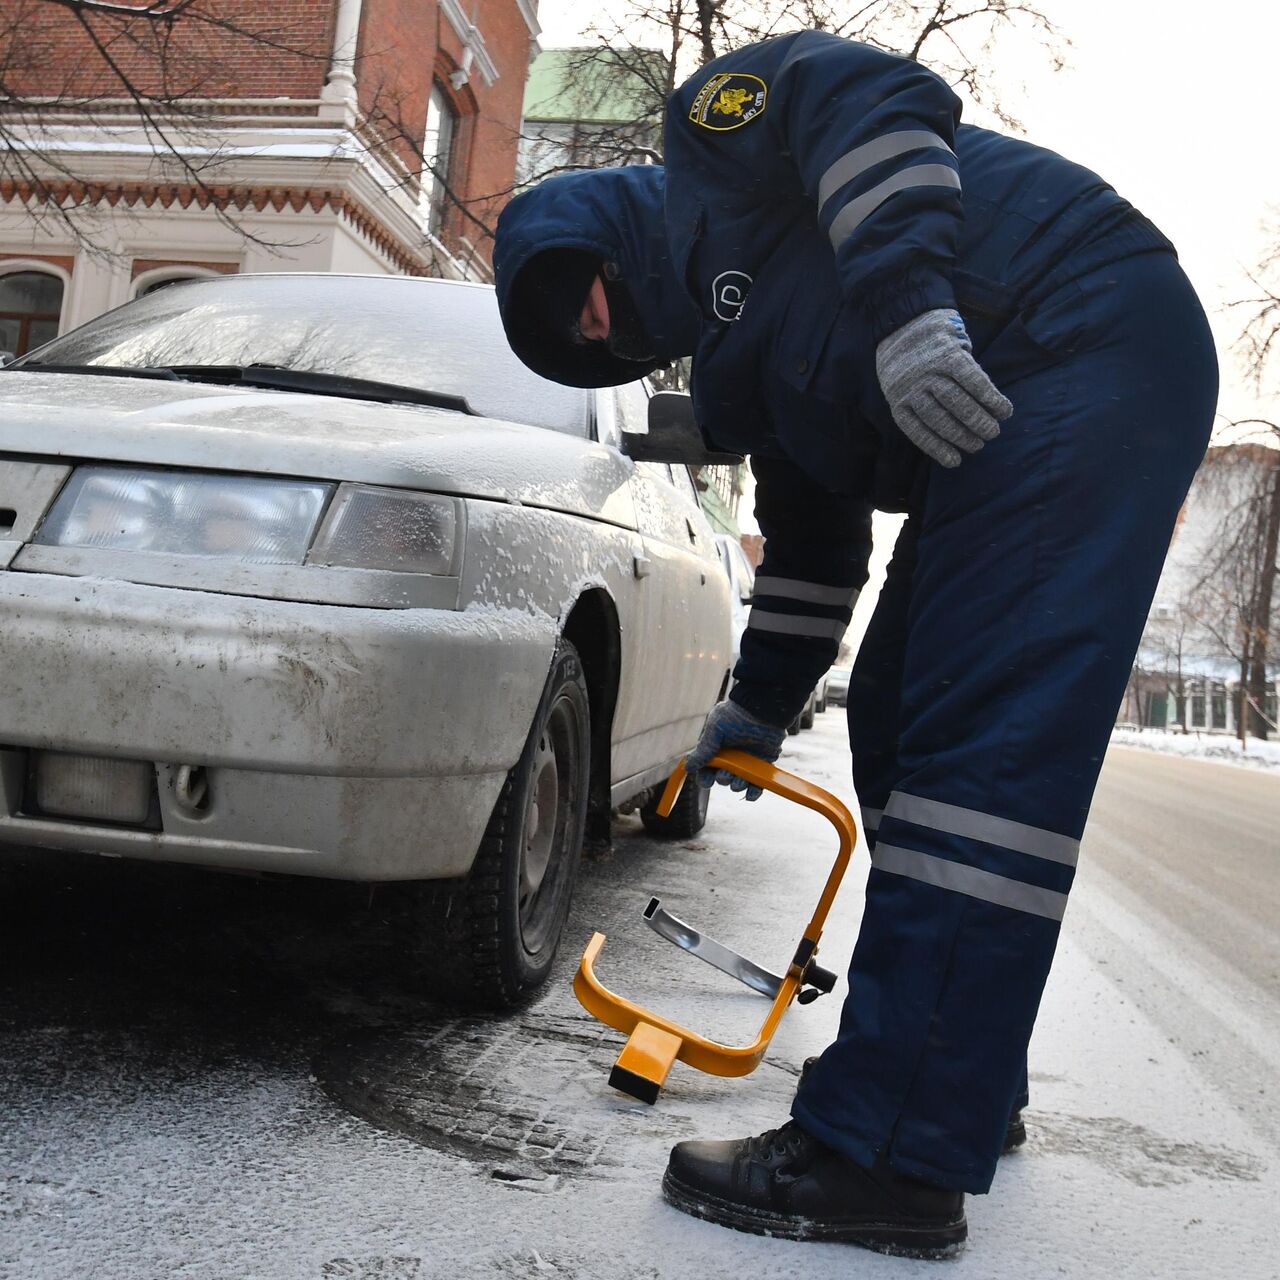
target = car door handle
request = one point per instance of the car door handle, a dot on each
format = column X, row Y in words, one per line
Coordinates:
column 642, row 564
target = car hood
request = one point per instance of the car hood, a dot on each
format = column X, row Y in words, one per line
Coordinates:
column 171, row 424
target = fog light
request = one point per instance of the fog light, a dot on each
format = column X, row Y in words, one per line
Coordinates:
column 93, row 787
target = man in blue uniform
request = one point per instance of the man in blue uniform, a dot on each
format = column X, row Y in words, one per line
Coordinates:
column 889, row 310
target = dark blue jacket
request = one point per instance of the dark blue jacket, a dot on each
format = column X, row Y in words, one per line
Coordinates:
column 819, row 194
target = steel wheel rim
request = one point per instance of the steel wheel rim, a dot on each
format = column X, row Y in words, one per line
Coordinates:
column 548, row 816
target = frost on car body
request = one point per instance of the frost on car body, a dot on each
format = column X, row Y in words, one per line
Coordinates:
column 352, row 710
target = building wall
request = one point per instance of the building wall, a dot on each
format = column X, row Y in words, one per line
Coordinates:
column 45, row 51
column 397, row 61
column 309, row 187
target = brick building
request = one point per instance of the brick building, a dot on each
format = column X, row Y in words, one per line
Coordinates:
column 331, row 135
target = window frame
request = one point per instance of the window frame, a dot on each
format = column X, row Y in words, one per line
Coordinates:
column 433, row 187
column 34, row 266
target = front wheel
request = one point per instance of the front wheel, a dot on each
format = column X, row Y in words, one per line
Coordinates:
column 502, row 925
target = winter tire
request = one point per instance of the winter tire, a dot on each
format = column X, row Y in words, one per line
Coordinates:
column 501, row 926
column 687, row 818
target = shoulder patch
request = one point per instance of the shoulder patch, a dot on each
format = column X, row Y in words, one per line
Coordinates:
column 729, row 101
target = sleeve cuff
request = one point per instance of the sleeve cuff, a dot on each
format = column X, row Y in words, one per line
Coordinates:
column 892, row 302
column 768, row 703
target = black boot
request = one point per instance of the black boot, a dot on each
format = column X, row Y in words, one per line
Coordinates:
column 786, row 1183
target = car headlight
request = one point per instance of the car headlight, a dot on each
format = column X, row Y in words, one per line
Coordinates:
column 371, row 528
column 251, row 519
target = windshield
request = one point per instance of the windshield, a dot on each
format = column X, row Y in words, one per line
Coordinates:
column 425, row 334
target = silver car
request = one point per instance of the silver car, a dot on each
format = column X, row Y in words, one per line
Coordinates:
column 308, row 574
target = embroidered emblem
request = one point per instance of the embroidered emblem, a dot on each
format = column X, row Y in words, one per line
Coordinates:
column 729, row 294
column 728, row 102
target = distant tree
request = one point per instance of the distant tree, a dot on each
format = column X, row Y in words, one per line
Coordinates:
column 1254, row 541
column 1259, row 342
column 956, row 38
column 1166, row 647
column 1232, row 600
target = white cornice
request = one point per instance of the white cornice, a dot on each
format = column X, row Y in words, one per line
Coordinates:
column 321, row 158
column 530, row 16
column 472, row 40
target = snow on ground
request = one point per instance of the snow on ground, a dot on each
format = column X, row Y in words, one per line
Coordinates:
column 117, row 1163
column 1202, row 746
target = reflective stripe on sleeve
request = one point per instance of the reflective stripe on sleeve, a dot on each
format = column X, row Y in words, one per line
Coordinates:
column 795, row 625
column 872, row 153
column 973, row 883
column 976, row 825
column 871, row 819
column 809, row 592
column 858, row 210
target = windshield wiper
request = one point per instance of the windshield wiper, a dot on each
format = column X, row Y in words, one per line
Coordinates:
column 311, row 382
column 274, row 378
column 107, row 370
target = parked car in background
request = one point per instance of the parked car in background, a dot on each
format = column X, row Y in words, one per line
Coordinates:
column 838, row 686
column 814, row 704
column 309, row 574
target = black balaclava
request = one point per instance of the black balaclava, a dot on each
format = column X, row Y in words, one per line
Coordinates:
column 553, row 239
column 553, row 287
column 628, row 339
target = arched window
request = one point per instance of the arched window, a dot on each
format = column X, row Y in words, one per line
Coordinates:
column 437, row 151
column 30, row 307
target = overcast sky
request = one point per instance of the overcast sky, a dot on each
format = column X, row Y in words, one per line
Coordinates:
column 1174, row 102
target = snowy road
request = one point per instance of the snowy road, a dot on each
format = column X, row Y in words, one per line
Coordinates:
column 217, row 1079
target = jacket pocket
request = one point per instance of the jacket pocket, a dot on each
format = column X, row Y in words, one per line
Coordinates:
column 1009, row 340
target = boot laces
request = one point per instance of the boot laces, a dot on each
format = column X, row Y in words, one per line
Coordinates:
column 785, row 1141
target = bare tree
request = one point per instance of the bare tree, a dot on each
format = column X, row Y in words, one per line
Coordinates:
column 955, row 38
column 1251, row 531
column 1259, row 344
column 157, row 65
column 1232, row 601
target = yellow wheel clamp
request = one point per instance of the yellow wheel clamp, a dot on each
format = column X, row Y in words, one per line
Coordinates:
column 655, row 1043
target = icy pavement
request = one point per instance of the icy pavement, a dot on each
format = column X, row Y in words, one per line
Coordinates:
column 212, row 1095
column 1202, row 746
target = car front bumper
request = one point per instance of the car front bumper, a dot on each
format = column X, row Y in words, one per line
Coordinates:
column 365, row 744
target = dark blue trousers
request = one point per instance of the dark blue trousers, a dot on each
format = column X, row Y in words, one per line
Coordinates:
column 981, row 704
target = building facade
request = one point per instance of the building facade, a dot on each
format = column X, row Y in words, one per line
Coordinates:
column 305, row 135
column 1205, row 626
column 587, row 108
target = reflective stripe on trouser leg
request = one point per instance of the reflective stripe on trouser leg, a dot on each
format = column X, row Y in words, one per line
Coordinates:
column 1036, row 563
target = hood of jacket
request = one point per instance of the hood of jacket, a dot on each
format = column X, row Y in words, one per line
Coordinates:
column 616, row 214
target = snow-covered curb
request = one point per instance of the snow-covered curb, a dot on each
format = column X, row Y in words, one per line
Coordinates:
column 1202, row 746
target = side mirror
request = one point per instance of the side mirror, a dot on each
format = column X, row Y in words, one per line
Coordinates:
column 673, row 435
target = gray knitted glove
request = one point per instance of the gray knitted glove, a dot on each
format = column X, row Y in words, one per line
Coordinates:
column 731, row 726
column 938, row 393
